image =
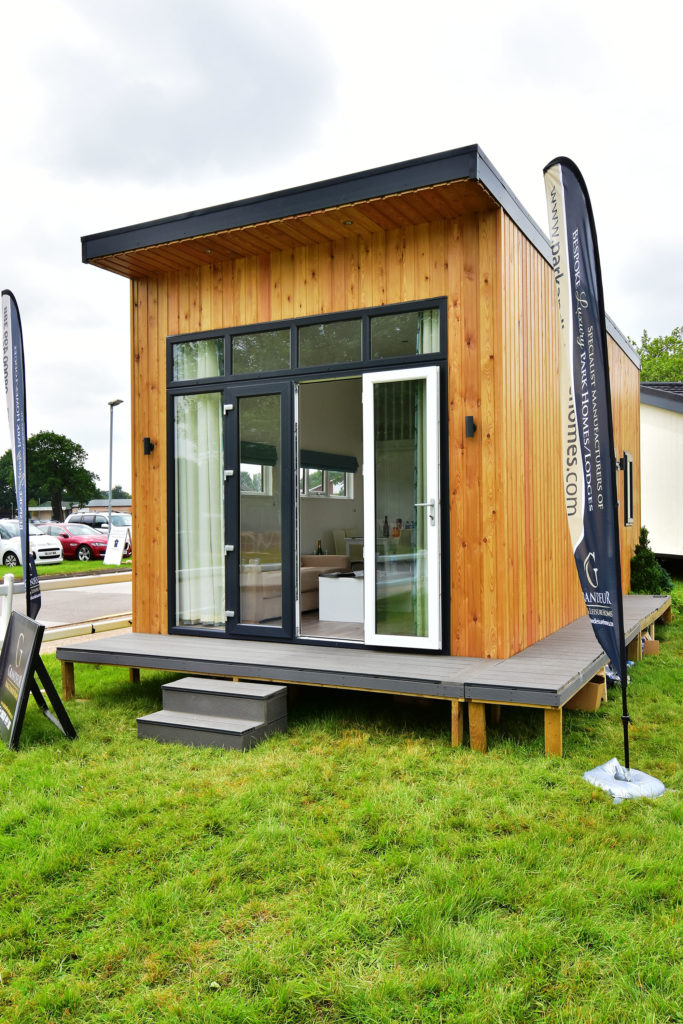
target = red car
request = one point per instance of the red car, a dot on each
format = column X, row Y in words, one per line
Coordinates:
column 78, row 541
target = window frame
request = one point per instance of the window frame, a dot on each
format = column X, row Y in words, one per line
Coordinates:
column 325, row 489
column 293, row 324
column 280, row 379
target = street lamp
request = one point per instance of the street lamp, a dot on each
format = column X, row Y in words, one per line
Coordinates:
column 116, row 401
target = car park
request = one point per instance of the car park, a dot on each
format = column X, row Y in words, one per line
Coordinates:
column 100, row 521
column 78, row 540
column 45, row 550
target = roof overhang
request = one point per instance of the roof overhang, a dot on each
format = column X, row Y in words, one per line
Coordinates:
column 660, row 398
column 412, row 192
column 431, row 188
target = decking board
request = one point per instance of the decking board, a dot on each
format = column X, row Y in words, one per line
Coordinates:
column 547, row 674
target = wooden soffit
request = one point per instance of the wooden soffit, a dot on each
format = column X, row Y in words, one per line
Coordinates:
column 363, row 219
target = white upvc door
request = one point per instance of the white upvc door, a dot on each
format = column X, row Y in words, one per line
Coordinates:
column 402, row 549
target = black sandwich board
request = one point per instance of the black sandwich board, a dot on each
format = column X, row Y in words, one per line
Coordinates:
column 19, row 663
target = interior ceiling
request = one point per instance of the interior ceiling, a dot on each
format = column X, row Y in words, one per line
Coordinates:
column 420, row 206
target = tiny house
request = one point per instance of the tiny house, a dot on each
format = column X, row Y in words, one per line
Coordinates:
column 345, row 416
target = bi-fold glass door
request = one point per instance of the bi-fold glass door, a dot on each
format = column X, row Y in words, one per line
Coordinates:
column 236, row 495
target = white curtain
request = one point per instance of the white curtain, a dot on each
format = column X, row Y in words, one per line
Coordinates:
column 200, row 358
column 200, row 576
column 428, row 329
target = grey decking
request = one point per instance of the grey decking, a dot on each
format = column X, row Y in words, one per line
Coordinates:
column 547, row 674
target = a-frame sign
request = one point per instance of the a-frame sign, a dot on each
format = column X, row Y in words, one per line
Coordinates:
column 20, row 662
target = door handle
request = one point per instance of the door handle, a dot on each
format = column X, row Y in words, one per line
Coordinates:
column 431, row 505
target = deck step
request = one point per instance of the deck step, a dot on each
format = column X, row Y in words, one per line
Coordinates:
column 258, row 701
column 206, row 730
column 206, row 712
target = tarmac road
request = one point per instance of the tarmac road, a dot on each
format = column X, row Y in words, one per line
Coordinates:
column 73, row 605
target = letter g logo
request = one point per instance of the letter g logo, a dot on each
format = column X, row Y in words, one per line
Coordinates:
column 591, row 570
column 19, row 653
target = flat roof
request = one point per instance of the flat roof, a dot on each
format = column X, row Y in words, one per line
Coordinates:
column 333, row 208
column 663, row 395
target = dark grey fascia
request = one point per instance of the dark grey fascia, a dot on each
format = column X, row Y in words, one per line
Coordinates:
column 652, row 395
column 467, row 162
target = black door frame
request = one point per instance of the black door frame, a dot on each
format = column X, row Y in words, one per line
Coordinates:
column 232, row 505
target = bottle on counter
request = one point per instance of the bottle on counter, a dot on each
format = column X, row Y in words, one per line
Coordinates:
column 385, row 527
column 319, row 549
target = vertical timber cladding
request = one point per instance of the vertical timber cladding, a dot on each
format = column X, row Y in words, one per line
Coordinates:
column 537, row 582
column 511, row 565
column 538, row 585
column 625, row 384
column 369, row 269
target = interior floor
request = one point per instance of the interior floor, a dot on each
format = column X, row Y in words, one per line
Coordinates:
column 314, row 628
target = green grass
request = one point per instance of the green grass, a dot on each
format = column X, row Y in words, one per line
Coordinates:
column 354, row 869
column 68, row 567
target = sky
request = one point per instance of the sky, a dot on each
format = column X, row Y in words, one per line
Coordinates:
column 120, row 112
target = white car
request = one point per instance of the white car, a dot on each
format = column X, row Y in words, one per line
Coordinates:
column 45, row 550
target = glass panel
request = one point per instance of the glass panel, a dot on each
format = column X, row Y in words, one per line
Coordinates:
column 200, row 577
column 201, row 358
column 336, row 342
column 337, row 483
column 251, row 478
column 260, row 513
column 260, row 352
column 315, row 481
column 401, row 595
column 404, row 334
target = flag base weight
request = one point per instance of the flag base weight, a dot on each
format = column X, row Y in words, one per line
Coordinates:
column 623, row 783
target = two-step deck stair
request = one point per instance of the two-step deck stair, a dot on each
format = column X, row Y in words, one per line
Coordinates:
column 216, row 713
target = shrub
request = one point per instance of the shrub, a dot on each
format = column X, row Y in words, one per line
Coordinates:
column 647, row 575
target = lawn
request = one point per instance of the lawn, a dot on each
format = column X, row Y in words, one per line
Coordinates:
column 70, row 567
column 355, row 868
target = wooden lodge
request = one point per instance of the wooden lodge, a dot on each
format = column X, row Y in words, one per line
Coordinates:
column 346, row 419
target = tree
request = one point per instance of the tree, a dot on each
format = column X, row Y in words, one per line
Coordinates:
column 55, row 466
column 8, row 500
column 662, row 358
column 117, row 491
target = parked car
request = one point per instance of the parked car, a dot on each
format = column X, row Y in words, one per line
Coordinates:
column 77, row 540
column 100, row 521
column 45, row 550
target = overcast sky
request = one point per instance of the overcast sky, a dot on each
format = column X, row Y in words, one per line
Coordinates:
column 118, row 112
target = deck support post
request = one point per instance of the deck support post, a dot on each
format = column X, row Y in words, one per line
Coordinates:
column 634, row 651
column 477, row 718
column 68, row 682
column 667, row 616
column 457, row 721
column 553, row 731
column 134, row 675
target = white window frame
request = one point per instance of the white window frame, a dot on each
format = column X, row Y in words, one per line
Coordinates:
column 266, row 481
column 325, row 491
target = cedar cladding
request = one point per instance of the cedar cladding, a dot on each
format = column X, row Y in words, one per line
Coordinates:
column 512, row 575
